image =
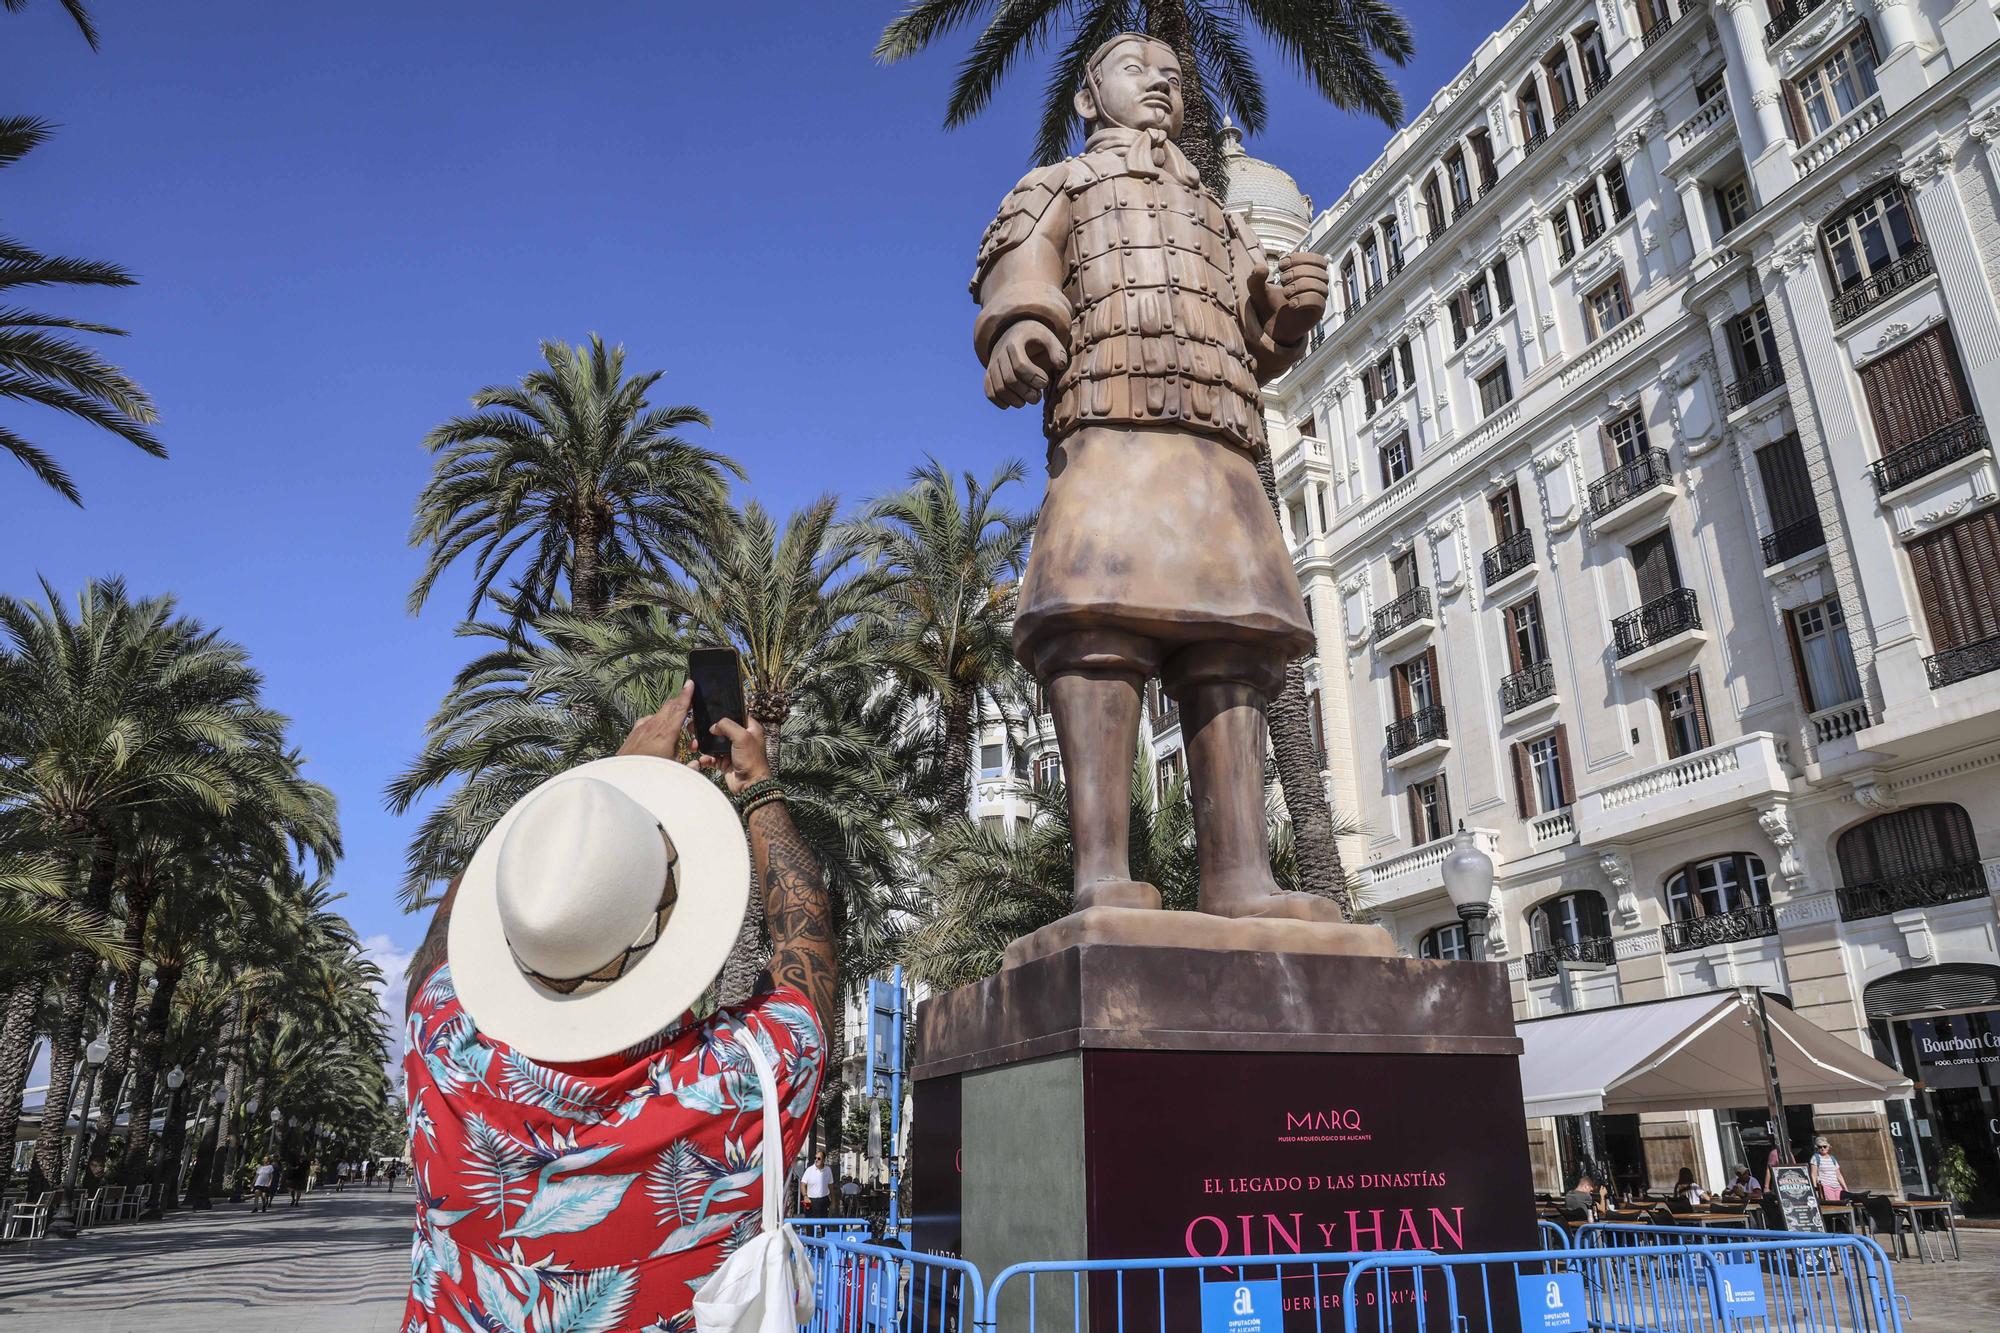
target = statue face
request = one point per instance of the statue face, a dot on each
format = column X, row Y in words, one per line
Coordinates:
column 1137, row 86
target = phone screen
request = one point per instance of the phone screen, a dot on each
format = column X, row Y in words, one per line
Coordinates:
column 718, row 693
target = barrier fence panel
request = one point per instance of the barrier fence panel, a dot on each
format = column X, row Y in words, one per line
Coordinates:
column 1703, row 1283
column 1555, row 1236
column 1299, row 1293
column 864, row 1288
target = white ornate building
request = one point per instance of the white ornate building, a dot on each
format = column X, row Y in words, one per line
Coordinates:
column 1641, row 491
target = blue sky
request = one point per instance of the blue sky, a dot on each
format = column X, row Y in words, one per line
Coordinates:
column 347, row 218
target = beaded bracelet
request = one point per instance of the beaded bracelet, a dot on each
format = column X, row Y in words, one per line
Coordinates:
column 758, row 794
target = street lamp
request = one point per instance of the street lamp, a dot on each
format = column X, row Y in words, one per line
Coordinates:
column 169, row 1161
column 64, row 1223
column 1468, row 878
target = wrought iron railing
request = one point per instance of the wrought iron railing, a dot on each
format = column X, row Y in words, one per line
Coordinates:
column 1564, row 116
column 1407, row 733
column 1899, row 467
column 1529, row 685
column 1593, row 84
column 1437, row 231
column 1956, row 664
column 1793, row 539
column 1590, row 949
column 1628, row 481
column 1168, row 714
column 1745, row 923
column 1534, row 141
column 1657, row 31
column 1918, row 888
column 1755, row 385
column 1856, row 301
column 1404, row 611
column 1655, row 622
column 1789, row 16
column 1512, row 553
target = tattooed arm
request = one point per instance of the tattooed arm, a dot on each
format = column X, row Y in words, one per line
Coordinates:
column 797, row 907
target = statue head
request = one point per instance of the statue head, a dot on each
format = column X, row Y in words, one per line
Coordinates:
column 1132, row 81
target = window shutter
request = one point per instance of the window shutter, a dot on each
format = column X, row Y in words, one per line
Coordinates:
column 1914, row 390
column 1444, row 804
column 1958, row 580
column 1787, row 485
column 1799, row 661
column 1521, row 796
column 1795, row 112
column 1513, row 639
column 1703, row 737
column 1562, row 764
column 1437, row 681
column 1416, row 816
column 1400, row 676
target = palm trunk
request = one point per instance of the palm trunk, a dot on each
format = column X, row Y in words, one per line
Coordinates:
column 17, row 1047
column 145, row 1073
column 66, row 1041
column 1320, row 870
column 226, row 1143
column 586, row 593
column 139, row 896
column 958, row 757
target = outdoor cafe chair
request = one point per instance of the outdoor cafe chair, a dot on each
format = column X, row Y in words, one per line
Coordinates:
column 1883, row 1218
column 29, row 1219
column 136, row 1201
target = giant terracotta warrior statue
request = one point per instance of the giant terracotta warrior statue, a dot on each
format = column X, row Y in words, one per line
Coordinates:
column 1115, row 290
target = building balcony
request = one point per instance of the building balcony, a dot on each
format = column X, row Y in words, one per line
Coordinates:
column 1594, row 84
column 1745, row 391
column 1794, row 539
column 1920, row 888
column 1640, row 637
column 1840, row 136
column 1532, row 142
column 1416, row 873
column 1941, row 448
column 1651, row 36
column 1745, row 923
column 1789, row 16
column 1685, row 791
column 1956, row 664
column 1166, row 717
column 1632, row 491
column 1422, row 731
column 1840, row 721
column 1553, row 829
column 1405, row 619
column 1544, row 963
column 1508, row 558
column 1708, row 119
column 1878, row 287
column 1527, row 687
column 1564, row 116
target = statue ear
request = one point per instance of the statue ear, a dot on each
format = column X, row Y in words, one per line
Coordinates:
column 1085, row 102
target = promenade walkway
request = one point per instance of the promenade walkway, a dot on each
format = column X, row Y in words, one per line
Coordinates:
column 338, row 1263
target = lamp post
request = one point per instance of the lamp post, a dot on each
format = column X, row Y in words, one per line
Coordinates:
column 169, row 1162
column 1468, row 878
column 65, row 1222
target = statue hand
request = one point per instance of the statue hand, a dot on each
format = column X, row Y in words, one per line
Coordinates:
column 1302, row 283
column 1026, row 358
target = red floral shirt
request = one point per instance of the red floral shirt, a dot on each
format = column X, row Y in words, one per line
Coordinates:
column 592, row 1197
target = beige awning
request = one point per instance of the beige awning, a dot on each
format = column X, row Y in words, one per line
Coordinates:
column 1684, row 1054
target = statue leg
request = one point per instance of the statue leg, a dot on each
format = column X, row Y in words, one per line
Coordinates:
column 1094, row 681
column 1224, row 690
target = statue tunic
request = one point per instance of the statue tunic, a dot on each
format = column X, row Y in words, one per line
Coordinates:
column 1155, row 521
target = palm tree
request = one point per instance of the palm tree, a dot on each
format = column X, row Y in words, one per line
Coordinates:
column 39, row 365
column 953, row 567
column 1338, row 44
column 74, row 8
column 573, row 466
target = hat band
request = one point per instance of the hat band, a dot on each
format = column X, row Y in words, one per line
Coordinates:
column 597, row 980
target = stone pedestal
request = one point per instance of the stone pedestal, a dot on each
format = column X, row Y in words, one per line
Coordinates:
column 1111, row 1100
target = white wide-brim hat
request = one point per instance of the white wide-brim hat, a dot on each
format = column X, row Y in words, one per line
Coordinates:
column 584, row 883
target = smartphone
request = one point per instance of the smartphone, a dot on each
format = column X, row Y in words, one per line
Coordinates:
column 718, row 694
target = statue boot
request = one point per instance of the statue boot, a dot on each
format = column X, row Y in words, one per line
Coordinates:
column 1096, row 712
column 1224, row 690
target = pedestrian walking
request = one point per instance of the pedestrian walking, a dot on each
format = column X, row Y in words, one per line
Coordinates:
column 598, row 909
column 1826, row 1171
column 340, row 1177
column 264, row 1185
column 297, row 1180
column 395, row 1169
column 816, row 1188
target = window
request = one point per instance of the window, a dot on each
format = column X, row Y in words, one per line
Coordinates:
column 1625, row 438
column 1788, row 493
column 1505, row 507
column 1915, row 841
column 1048, row 771
column 1957, row 569
column 1317, row 721
column 1562, row 80
column 1655, row 567
column 1296, row 511
column 1480, row 303
column 1482, row 157
column 1569, row 920
column 1608, row 307
column 1545, row 773
column 1503, row 284
column 1826, row 657
column 1319, row 507
column 1446, row 942
column 1835, row 86
column 1614, row 190
column 1434, row 205
column 1403, row 572
column 991, row 761
column 1565, row 239
column 1496, row 390
column 1392, row 244
column 1408, row 362
column 1732, row 204
column 1415, row 683
column 1589, row 213
column 1527, row 644
column 1396, row 460
column 993, row 824
column 1307, row 427
column 1717, row 887
column 1461, row 184
column 1456, row 305
column 1709, row 88
column 1533, row 126
column 1915, row 391
column 1683, row 716
column 1350, row 283
column 1752, row 345
column 1430, row 811
column 1385, row 375
column 1590, row 46
column 1371, row 262
column 1170, row 771
column 1870, row 238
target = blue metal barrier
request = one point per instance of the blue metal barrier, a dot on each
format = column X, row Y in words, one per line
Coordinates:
column 855, row 1227
column 1153, row 1295
column 865, row 1288
column 1555, row 1236
column 1813, row 1273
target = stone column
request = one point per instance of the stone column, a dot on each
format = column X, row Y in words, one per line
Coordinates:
column 1441, row 408
column 1528, row 314
column 1968, row 297
column 1754, row 95
column 1425, row 427
column 1650, row 210
column 1534, row 282
column 1901, row 74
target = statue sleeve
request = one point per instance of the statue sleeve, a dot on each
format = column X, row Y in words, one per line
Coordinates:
column 1020, row 270
column 1258, row 302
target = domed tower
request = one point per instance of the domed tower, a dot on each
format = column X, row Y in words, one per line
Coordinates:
column 1269, row 199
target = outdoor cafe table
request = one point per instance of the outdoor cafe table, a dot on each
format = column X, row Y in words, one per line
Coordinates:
column 1915, row 1210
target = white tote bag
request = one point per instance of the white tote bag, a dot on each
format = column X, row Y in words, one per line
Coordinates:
column 766, row 1286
